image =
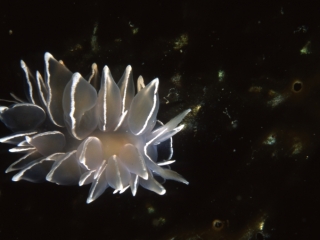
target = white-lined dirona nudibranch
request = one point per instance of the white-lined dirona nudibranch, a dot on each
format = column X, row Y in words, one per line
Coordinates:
column 72, row 132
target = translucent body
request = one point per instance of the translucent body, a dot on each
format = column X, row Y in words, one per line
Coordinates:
column 71, row 133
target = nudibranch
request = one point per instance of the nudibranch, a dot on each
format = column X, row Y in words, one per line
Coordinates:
column 72, row 132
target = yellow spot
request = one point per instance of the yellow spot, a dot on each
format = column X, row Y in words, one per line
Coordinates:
column 181, row 42
column 157, row 222
column 150, row 210
column 196, row 109
column 135, row 31
column 255, row 89
column 297, row 146
column 221, row 75
column 77, row 47
column 277, row 98
column 261, row 225
column 176, row 79
column 271, row 139
column 306, row 49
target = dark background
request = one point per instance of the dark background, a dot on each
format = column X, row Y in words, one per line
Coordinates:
column 250, row 148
